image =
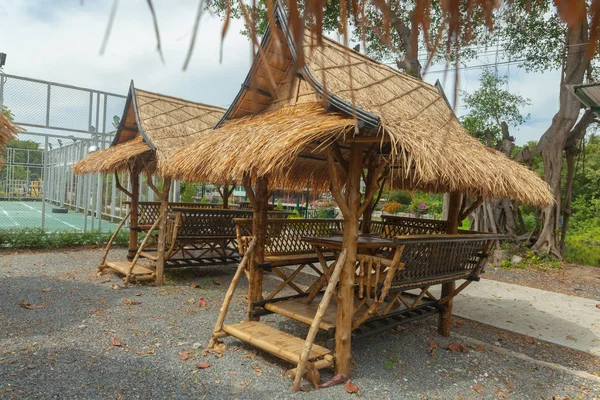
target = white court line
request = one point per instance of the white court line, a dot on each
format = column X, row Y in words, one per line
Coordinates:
column 9, row 217
column 51, row 216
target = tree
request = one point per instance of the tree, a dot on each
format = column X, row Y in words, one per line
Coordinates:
column 539, row 36
column 492, row 110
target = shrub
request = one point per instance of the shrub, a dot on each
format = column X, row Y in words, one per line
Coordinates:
column 583, row 247
column 393, row 207
column 37, row 238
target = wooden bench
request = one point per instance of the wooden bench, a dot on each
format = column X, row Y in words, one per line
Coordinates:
column 200, row 236
column 148, row 211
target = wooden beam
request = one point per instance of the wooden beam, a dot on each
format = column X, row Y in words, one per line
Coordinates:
column 260, row 91
column 368, row 139
column 162, row 227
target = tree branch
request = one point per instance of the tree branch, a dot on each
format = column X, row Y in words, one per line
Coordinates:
column 121, row 188
column 464, row 214
column 335, row 184
column 372, row 189
column 249, row 191
column 579, row 130
column 151, row 186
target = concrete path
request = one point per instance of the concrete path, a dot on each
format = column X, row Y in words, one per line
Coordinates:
column 554, row 317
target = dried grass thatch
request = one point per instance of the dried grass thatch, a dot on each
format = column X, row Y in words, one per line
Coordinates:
column 8, row 131
column 116, row 158
column 420, row 137
column 152, row 129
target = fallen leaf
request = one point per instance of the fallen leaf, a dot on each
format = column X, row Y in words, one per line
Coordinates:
column 195, row 285
column 191, row 301
column 184, row 355
column 314, row 377
column 433, row 345
column 350, row 387
column 115, row 286
column 137, row 294
column 46, row 290
column 203, row 365
column 479, row 347
column 246, row 383
column 257, row 369
column 39, row 264
column 105, row 280
column 29, row 306
column 218, row 281
column 116, row 342
column 456, row 347
column 336, row 380
column 201, row 302
column 130, row 302
column 305, row 388
column 477, row 388
column 528, row 339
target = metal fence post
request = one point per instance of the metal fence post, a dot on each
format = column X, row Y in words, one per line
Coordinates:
column 44, row 181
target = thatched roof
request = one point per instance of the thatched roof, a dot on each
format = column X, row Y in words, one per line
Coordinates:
column 8, row 131
column 152, row 129
column 415, row 129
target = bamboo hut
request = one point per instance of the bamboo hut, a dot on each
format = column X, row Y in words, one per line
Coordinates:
column 153, row 127
column 8, row 131
column 339, row 118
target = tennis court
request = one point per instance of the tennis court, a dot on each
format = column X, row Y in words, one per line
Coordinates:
column 28, row 214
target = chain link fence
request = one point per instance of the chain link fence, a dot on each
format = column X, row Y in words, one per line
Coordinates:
column 37, row 186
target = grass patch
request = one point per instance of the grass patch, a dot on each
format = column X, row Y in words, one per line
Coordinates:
column 583, row 247
column 37, row 238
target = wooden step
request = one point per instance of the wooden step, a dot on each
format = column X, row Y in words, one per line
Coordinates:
column 140, row 270
column 271, row 340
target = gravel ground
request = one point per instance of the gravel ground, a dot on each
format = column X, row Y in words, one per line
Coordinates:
column 571, row 279
column 64, row 348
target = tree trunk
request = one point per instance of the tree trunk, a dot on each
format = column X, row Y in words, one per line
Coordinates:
column 445, row 316
column 134, row 176
column 164, row 209
column 260, row 205
column 553, row 141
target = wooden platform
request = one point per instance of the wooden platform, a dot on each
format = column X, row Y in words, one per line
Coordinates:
column 298, row 310
column 142, row 270
column 271, row 340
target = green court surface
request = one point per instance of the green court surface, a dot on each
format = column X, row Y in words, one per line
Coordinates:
column 28, row 214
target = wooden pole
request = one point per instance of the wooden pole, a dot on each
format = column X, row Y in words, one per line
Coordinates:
column 112, row 238
column 227, row 300
column 164, row 209
column 314, row 326
column 134, row 177
column 345, row 295
column 445, row 317
column 260, row 206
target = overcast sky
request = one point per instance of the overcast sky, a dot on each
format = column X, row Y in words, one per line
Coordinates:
column 59, row 40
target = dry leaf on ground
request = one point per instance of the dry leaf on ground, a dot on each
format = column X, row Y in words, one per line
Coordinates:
column 350, row 387
column 130, row 302
column 336, row 380
column 597, row 305
column 184, row 355
column 39, row 264
column 257, row 369
column 432, row 348
column 305, row 388
column 477, row 347
column 528, row 339
column 203, row 365
column 116, row 342
column 456, row 347
column 202, row 302
column 195, row 285
column 30, row 306
column 246, row 383
column 478, row 388
column 217, row 281
column 46, row 290
column 105, row 280
column 115, row 286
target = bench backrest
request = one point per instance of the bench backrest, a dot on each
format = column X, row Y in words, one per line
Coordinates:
column 214, row 223
column 443, row 255
column 148, row 211
column 284, row 236
column 400, row 226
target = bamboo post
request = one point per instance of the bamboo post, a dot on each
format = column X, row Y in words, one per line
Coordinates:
column 112, row 238
column 164, row 208
column 445, row 317
column 227, row 300
column 139, row 251
column 134, row 177
column 314, row 326
column 345, row 296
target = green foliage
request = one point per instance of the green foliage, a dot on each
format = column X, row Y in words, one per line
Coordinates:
column 492, row 104
column 583, row 247
column 188, row 191
column 37, row 238
column 279, row 206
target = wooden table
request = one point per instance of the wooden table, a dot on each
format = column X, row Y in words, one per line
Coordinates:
column 369, row 244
